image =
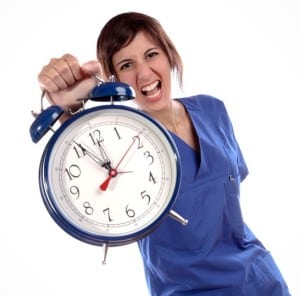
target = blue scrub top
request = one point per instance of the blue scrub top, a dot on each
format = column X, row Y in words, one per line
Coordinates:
column 216, row 253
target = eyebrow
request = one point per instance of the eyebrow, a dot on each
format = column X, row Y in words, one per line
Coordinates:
column 146, row 52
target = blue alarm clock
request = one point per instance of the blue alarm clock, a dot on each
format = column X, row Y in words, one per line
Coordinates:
column 110, row 174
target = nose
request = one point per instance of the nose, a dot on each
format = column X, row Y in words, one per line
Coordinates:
column 143, row 71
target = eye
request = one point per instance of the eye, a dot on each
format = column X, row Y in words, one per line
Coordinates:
column 151, row 55
column 125, row 66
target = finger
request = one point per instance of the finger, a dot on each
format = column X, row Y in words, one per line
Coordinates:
column 51, row 79
column 91, row 68
column 74, row 67
column 47, row 83
column 60, row 73
column 68, row 68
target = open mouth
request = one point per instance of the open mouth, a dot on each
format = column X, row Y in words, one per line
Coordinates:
column 151, row 90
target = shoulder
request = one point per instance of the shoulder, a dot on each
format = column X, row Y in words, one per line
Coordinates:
column 208, row 107
column 203, row 102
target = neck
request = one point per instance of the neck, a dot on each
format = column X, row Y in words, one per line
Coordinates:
column 168, row 117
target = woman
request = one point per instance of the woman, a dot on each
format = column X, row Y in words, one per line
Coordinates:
column 216, row 253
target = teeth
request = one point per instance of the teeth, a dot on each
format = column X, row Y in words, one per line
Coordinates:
column 154, row 95
column 150, row 87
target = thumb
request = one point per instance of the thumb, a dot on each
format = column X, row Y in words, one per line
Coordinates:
column 92, row 67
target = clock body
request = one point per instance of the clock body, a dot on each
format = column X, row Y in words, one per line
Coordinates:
column 109, row 175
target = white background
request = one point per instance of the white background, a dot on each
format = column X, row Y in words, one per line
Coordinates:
column 244, row 52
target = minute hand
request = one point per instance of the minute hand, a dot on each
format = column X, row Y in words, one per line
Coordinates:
column 91, row 155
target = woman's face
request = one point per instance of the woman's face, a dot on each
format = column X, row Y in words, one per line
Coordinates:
column 143, row 65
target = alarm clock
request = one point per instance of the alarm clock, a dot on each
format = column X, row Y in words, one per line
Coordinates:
column 110, row 174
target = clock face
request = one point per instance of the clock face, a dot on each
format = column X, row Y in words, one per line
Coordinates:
column 109, row 175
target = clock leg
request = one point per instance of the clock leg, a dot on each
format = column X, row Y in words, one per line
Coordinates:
column 105, row 250
column 178, row 218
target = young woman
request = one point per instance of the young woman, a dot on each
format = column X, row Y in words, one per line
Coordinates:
column 216, row 253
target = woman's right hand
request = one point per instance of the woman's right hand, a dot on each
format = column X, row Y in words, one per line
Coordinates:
column 65, row 80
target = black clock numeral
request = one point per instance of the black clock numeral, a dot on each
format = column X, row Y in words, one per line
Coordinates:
column 74, row 190
column 152, row 178
column 80, row 152
column 107, row 212
column 149, row 157
column 146, row 196
column 88, row 208
column 73, row 171
column 96, row 137
column 140, row 144
column 117, row 133
column 130, row 212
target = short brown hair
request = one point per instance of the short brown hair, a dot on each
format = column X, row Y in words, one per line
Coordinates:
column 120, row 30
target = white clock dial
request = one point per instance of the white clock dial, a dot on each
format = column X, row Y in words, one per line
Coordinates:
column 109, row 175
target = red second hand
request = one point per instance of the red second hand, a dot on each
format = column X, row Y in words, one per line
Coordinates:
column 104, row 185
column 113, row 172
